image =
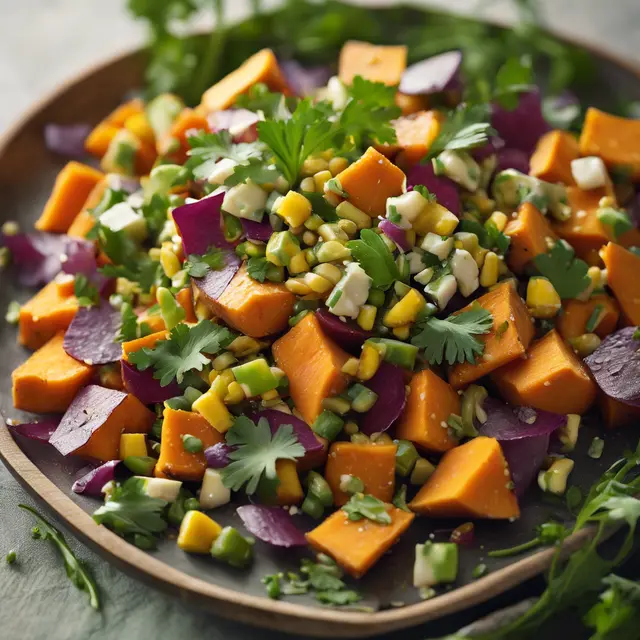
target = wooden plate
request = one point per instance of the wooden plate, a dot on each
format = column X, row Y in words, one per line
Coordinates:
column 27, row 171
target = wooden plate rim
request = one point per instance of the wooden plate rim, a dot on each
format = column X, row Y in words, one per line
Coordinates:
column 258, row 611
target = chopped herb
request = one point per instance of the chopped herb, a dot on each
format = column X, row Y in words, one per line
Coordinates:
column 76, row 571
column 11, row 557
column 191, row 444
column 272, row 585
column 259, row 98
column 501, row 329
column 338, row 598
column 617, row 615
column 256, row 171
column 129, row 325
column 424, row 192
column 155, row 214
column 636, row 334
column 361, row 506
column 619, row 221
column 253, row 460
column 85, row 292
column 183, row 351
column 198, row 266
column 488, row 234
column 596, row 448
column 257, row 268
column 548, row 533
column 400, row 499
column 375, row 258
column 594, row 318
column 479, row 571
column 573, row 498
column 567, row 274
column 394, row 216
column 13, row 312
column 453, row 339
column 333, row 185
column 514, row 77
column 321, row 206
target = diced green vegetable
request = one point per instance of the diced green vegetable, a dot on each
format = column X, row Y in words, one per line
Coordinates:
column 406, row 457
column 140, row 465
column 396, row 352
column 435, row 563
column 328, row 425
column 319, row 488
column 255, row 377
column 362, row 398
column 233, row 548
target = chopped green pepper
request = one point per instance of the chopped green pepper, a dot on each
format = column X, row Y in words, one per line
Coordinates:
column 233, row 548
column 140, row 465
column 255, row 377
column 362, row 398
column 328, row 425
column 406, row 457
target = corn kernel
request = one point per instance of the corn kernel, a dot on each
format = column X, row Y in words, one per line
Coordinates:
column 321, row 178
column 155, row 253
column 349, row 227
column 327, row 154
column 297, row 286
column 198, row 532
column 210, row 406
column 311, row 257
column 244, row 346
column 309, row 238
column 499, row 219
column 332, row 251
column 329, row 271
column 490, row 269
column 330, row 231
column 369, row 362
column 298, row 264
column 140, row 127
column 169, row 261
column 402, row 333
column 235, row 394
column 350, row 428
column 317, row 283
column 543, row 300
column 223, row 361
column 336, row 165
column 347, row 211
column 607, row 201
column 133, row 444
column 406, row 310
column 554, row 479
column 332, row 198
column 436, row 219
column 314, row 222
column 367, row 317
column 308, row 185
column 585, row 344
column 412, row 237
column 294, row 208
column 350, row 367
column 313, row 165
column 479, row 255
column 270, row 395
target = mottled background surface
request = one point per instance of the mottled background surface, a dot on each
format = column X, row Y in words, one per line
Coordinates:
column 42, row 44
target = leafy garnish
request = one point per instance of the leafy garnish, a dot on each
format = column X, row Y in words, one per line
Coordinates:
column 594, row 318
column 489, row 236
column 321, row 206
column 547, row 533
column 618, row 220
column 257, row 268
column 617, row 615
column 453, row 339
column 400, row 499
column 567, row 274
column 86, row 293
column 361, row 506
column 198, row 266
column 259, row 98
column 155, row 215
column 132, row 514
column 76, row 571
column 425, row 193
column 253, row 461
column 129, row 324
column 255, row 170
column 514, row 77
column 375, row 258
column 183, row 351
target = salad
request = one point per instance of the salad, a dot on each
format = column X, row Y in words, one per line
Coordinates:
column 352, row 301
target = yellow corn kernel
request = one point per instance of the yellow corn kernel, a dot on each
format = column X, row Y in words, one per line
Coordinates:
column 317, row 283
column 336, row 165
column 235, row 394
column 490, row 270
column 329, row 271
column 467, row 241
column 332, row 198
column 245, row 346
column 367, row 317
column 140, row 127
column 554, row 479
column 223, row 361
column 210, row 406
column 169, row 261
column 435, row 219
column 330, row 231
column 297, row 286
column 309, row 238
column 348, row 226
column 270, row 395
column 332, row 251
column 133, row 444
column 298, row 264
column 289, row 489
column 458, row 244
column 350, row 367
column 607, row 201
column 213, row 374
column 308, row 184
column 402, row 333
column 370, row 360
column 543, row 300
column 198, row 532
column 203, row 310
column 155, row 253
column 479, row 255
column 313, row 165
column 412, row 237
column 499, row 219
column 294, row 208
column 406, row 310
column 327, row 154
column 321, row 178
column 585, row 344
column 220, row 386
column 347, row 211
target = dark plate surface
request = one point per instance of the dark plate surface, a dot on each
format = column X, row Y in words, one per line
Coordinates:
column 27, row 171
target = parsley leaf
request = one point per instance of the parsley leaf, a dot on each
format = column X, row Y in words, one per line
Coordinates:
column 208, row 148
column 567, row 274
column 321, row 206
column 515, row 76
column 257, row 268
column 375, row 258
column 129, row 511
column 425, row 193
column 617, row 220
column 617, row 615
column 361, row 506
column 86, row 293
column 466, row 128
column 272, row 105
column 338, row 598
column 76, row 571
column 198, row 266
column 489, row 236
column 256, row 452
column 453, row 339
column 255, row 170
column 183, row 351
column 129, row 325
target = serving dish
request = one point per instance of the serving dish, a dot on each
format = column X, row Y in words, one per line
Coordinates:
column 26, row 174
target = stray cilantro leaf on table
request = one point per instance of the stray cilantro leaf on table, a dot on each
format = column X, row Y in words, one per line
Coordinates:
column 86, row 293
column 256, row 452
column 198, row 266
column 567, row 274
column 375, row 258
column 453, row 339
column 257, row 268
column 361, row 506
column 76, row 570
column 183, row 351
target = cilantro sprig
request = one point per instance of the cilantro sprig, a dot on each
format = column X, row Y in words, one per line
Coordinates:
column 85, row 292
column 454, row 338
column 256, row 451
column 375, row 258
column 198, row 266
column 567, row 274
column 184, row 351
column 257, row 268
column 364, row 506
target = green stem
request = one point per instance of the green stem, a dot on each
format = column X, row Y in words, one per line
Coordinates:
column 525, row 546
column 213, row 52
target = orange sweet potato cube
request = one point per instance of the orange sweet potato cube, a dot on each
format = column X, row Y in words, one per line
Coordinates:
column 551, row 160
column 623, row 268
column 373, row 62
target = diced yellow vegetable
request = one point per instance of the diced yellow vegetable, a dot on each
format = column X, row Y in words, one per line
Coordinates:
column 198, row 532
column 406, row 310
column 211, row 407
column 490, row 270
column 369, row 362
column 298, row 264
column 435, row 218
column 367, row 317
column 294, row 208
column 132, row 444
column 289, row 490
column 543, row 300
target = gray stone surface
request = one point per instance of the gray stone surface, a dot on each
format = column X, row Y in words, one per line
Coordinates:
column 43, row 43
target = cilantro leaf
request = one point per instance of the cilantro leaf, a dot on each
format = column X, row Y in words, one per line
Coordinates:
column 338, row 598
column 489, row 236
column 155, row 213
column 375, row 258
column 567, row 274
column 515, row 76
column 129, row 325
column 618, row 220
column 465, row 128
column 255, row 170
column 425, row 193
column 256, row 452
column 257, row 268
column 272, row 105
column 76, row 571
column 183, row 351
column 453, row 339
column 208, row 148
column 129, row 511
column 321, row 206
column 86, row 293
column 361, row 506
column 400, row 499
column 198, row 266
column 617, row 615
